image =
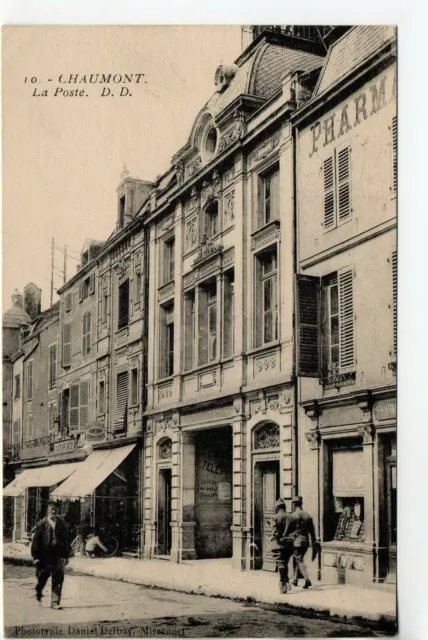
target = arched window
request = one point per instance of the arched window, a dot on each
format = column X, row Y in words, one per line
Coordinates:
column 165, row 449
column 266, row 436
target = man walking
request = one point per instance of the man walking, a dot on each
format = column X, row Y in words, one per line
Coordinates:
column 302, row 527
column 284, row 549
column 50, row 550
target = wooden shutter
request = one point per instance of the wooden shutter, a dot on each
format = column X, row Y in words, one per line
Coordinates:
column 394, row 297
column 346, row 317
column 308, row 314
column 328, row 194
column 394, row 154
column 343, row 183
column 121, row 400
column 83, row 403
column 91, row 287
column 68, row 302
column 74, row 407
column 66, row 345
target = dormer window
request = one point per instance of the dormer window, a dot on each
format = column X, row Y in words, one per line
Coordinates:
column 122, row 202
column 209, row 145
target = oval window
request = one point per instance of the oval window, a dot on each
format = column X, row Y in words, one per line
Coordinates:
column 211, row 142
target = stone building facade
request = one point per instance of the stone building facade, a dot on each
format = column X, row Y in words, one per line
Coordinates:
column 346, row 149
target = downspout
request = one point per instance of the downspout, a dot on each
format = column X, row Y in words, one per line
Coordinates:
column 296, row 384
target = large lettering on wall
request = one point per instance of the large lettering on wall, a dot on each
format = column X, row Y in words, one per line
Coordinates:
column 364, row 105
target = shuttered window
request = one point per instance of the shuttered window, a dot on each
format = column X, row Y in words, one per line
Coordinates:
column 394, row 298
column 337, row 188
column 268, row 184
column 68, row 302
column 79, row 405
column 17, row 386
column 16, row 435
column 121, row 400
column 86, row 331
column 66, row 345
column 123, row 315
column 346, row 310
column 308, row 326
column 30, row 370
column 394, row 154
column 52, row 366
column 30, row 426
column 74, row 407
column 51, row 417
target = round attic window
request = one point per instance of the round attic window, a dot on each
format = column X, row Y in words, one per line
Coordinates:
column 210, row 142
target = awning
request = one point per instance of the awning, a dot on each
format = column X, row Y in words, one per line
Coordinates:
column 40, row 477
column 348, row 474
column 91, row 473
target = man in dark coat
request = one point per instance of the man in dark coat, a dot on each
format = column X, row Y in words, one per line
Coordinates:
column 284, row 549
column 302, row 528
column 50, row 550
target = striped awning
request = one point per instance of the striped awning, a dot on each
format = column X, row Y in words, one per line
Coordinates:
column 91, row 473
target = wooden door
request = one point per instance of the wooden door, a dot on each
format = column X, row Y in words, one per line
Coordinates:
column 392, row 516
column 164, row 512
column 266, row 493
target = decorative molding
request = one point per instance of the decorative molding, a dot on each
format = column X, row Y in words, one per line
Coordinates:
column 194, row 199
column 261, row 406
column 265, row 235
column 229, row 206
column 179, row 172
column 229, row 176
column 365, row 403
column 267, row 436
column 313, row 411
column 235, row 133
column 229, row 257
column 265, row 363
column 167, row 291
column 191, row 233
column 314, row 438
column 367, row 433
column 165, row 449
column 168, row 224
column 265, row 150
column 211, row 188
column 165, row 392
column 287, row 401
column 195, row 167
column 122, row 267
column 207, row 250
column 189, row 279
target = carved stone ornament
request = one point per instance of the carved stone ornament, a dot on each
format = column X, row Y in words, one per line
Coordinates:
column 195, row 167
column 211, row 189
column 191, row 233
column 261, row 407
column 229, row 206
column 314, row 439
column 194, row 199
column 207, row 248
column 367, row 433
column 273, row 404
column 237, row 406
column 267, row 437
column 165, row 449
column 313, row 412
column 179, row 172
column 122, row 267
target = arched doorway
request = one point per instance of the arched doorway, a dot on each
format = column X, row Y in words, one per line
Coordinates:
column 164, row 458
column 266, row 491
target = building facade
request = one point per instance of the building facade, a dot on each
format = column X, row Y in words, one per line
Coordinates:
column 346, row 143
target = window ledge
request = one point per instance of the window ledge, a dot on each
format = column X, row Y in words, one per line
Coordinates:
column 265, row 347
column 338, row 380
column 164, row 380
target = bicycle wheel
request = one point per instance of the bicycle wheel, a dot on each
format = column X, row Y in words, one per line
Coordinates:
column 77, row 544
column 112, row 546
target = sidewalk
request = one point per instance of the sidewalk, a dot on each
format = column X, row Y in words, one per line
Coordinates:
column 376, row 603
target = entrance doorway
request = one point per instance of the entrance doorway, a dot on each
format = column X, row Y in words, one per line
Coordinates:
column 391, row 499
column 164, row 512
column 266, row 493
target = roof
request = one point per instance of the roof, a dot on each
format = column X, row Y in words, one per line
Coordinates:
column 350, row 51
column 15, row 317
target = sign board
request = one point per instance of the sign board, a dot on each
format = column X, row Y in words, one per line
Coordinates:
column 385, row 411
column 95, row 432
column 64, row 446
column 224, row 491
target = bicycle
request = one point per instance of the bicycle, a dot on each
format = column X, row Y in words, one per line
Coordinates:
column 111, row 543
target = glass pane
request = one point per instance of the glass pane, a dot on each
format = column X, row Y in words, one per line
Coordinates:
column 268, row 328
column 267, row 291
column 334, row 308
column 334, row 331
column 335, row 359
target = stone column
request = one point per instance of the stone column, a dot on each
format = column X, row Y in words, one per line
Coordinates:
column 367, row 433
column 148, row 498
column 240, row 271
column 178, row 282
column 175, row 497
column 152, row 313
column 184, row 539
column 238, row 488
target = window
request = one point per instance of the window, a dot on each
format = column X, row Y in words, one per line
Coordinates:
column 30, row 426
column 16, row 431
column 169, row 261
column 228, row 312
column 134, row 387
column 86, row 333
column 52, row 411
column 268, row 185
column 122, row 203
column 87, row 287
column 211, row 219
column 266, row 299
column 166, row 359
column 123, row 316
column 66, row 345
column 189, row 330
column 208, row 322
column 394, row 154
column 52, row 366
column 394, row 298
column 68, row 302
column 101, row 397
column 325, row 324
column 337, row 188
column 30, row 370
column 121, row 401
column 17, row 386
column 79, row 404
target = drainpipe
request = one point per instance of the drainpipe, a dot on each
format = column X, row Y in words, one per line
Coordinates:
column 296, row 380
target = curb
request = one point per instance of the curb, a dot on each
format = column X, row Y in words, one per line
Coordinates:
column 386, row 623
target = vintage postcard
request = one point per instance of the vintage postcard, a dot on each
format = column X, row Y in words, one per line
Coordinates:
column 199, row 331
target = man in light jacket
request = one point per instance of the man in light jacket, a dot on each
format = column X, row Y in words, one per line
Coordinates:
column 302, row 528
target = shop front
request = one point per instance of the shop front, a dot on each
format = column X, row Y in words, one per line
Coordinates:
column 103, row 493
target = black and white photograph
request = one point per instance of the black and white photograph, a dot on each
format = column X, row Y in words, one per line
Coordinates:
column 200, row 331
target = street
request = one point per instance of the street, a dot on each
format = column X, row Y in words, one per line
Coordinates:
column 96, row 607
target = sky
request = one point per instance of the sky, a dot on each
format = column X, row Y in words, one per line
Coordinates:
column 63, row 156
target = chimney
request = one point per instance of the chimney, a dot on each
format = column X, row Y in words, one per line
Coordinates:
column 17, row 299
column 32, row 300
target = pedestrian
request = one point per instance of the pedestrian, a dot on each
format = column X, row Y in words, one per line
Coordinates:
column 302, row 528
column 50, row 550
column 284, row 549
column 94, row 546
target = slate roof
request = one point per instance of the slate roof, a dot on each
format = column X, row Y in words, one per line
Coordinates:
column 350, row 51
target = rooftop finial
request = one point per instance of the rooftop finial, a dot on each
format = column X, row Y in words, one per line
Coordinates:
column 125, row 172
